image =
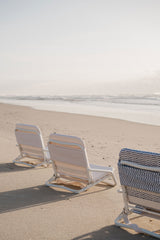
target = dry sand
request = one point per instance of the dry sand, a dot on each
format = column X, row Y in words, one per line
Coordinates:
column 30, row 210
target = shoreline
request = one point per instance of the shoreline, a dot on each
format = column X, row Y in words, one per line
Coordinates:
column 84, row 114
column 30, row 210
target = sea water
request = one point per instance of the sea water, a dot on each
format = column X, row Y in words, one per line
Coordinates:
column 136, row 108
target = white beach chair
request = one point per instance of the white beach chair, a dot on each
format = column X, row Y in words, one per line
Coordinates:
column 70, row 163
column 30, row 143
column 139, row 174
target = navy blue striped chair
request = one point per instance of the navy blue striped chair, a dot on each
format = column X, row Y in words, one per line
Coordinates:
column 139, row 174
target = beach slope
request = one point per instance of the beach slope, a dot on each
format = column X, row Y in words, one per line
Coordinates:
column 30, row 210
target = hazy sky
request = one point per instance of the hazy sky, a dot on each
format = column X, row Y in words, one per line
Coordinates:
column 79, row 46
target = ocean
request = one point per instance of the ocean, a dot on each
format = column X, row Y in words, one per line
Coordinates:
column 135, row 108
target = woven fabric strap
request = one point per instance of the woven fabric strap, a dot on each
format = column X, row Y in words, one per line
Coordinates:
column 145, row 179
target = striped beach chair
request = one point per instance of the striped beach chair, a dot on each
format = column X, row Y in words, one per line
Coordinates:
column 71, row 166
column 31, row 146
column 139, row 173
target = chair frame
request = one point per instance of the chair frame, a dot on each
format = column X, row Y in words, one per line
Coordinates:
column 89, row 169
column 123, row 219
column 46, row 160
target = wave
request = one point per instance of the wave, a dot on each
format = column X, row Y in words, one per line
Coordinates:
column 135, row 108
column 152, row 99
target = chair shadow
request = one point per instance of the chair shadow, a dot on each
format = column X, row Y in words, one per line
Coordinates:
column 35, row 196
column 113, row 233
column 28, row 197
column 11, row 167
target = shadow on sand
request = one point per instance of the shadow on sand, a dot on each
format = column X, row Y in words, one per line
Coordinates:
column 28, row 197
column 113, row 233
column 38, row 195
column 11, row 167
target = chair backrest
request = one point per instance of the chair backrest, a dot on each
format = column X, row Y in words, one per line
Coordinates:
column 139, row 173
column 69, row 157
column 30, row 141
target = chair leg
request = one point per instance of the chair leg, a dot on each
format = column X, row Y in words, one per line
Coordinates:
column 127, row 224
column 49, row 182
column 18, row 160
column 114, row 180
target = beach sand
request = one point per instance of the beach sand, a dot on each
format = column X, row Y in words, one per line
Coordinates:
column 31, row 211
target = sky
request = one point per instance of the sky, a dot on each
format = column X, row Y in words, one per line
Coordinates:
column 61, row 47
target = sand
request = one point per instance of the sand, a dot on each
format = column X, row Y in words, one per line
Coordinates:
column 30, row 210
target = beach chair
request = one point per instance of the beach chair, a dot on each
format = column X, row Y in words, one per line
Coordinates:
column 30, row 143
column 139, row 174
column 71, row 166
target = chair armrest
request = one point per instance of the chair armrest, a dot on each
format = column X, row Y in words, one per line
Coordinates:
column 100, row 170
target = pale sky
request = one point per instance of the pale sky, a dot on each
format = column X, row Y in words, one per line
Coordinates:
column 79, row 46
